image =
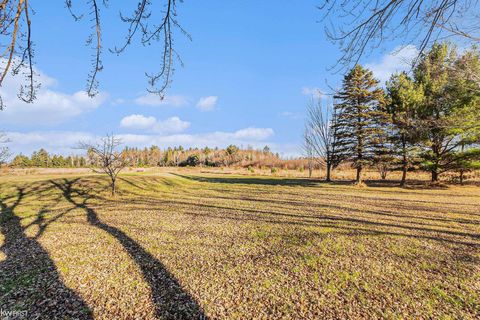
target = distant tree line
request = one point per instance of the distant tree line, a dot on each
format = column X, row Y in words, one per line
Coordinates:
column 428, row 119
column 180, row 156
column 42, row 159
column 154, row 156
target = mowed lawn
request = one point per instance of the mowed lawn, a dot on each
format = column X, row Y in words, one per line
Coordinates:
column 188, row 245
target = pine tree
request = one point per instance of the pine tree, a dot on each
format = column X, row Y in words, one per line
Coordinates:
column 361, row 116
column 404, row 98
column 21, row 161
column 40, row 158
column 450, row 111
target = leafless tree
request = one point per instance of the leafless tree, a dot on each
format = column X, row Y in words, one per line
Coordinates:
column 319, row 138
column 16, row 32
column 4, row 151
column 360, row 26
column 308, row 149
column 105, row 155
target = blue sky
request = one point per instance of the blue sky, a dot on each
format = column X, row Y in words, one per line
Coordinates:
column 249, row 73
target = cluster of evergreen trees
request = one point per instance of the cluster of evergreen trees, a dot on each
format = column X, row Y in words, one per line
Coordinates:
column 428, row 119
column 154, row 156
column 42, row 159
column 180, row 156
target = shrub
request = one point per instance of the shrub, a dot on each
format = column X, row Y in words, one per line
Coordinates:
column 192, row 161
column 232, row 149
column 273, row 170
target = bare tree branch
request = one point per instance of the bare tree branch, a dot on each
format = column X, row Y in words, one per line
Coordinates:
column 17, row 54
column 366, row 24
column 162, row 33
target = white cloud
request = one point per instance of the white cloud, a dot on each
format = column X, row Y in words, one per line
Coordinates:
column 207, row 103
column 118, row 101
column 170, row 125
column 154, row 100
column 291, row 115
column 51, row 106
column 253, row 134
column 137, row 121
column 312, row 91
column 54, row 141
column 256, row 138
column 64, row 142
column 399, row 59
column 173, row 124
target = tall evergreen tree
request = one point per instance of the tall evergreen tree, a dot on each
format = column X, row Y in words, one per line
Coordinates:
column 21, row 161
column 361, row 116
column 449, row 114
column 40, row 158
column 404, row 98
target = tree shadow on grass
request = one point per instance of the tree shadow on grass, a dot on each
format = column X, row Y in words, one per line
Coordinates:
column 426, row 224
column 307, row 182
column 338, row 221
column 384, row 209
column 280, row 181
column 170, row 299
column 29, row 280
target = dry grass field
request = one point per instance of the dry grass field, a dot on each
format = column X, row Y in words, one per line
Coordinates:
column 190, row 245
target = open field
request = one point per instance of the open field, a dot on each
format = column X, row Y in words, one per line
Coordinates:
column 188, row 244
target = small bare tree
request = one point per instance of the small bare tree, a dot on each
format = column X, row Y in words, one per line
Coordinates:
column 105, row 155
column 308, row 149
column 4, row 151
column 319, row 138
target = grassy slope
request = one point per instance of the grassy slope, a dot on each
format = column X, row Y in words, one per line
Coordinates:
column 237, row 247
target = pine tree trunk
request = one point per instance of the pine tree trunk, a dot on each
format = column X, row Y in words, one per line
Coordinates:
column 404, row 176
column 436, row 152
column 359, row 175
column 383, row 173
column 329, row 169
column 461, row 170
column 404, row 163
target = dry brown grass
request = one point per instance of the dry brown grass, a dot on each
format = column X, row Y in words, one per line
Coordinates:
column 188, row 244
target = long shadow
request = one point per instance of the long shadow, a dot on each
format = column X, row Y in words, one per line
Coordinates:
column 133, row 184
column 309, row 220
column 277, row 181
column 254, row 180
column 384, row 212
column 310, row 182
column 171, row 301
column 236, row 215
column 391, row 219
column 29, row 280
column 420, row 224
column 317, row 216
column 323, row 192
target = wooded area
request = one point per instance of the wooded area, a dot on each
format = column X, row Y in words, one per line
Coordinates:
column 427, row 120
